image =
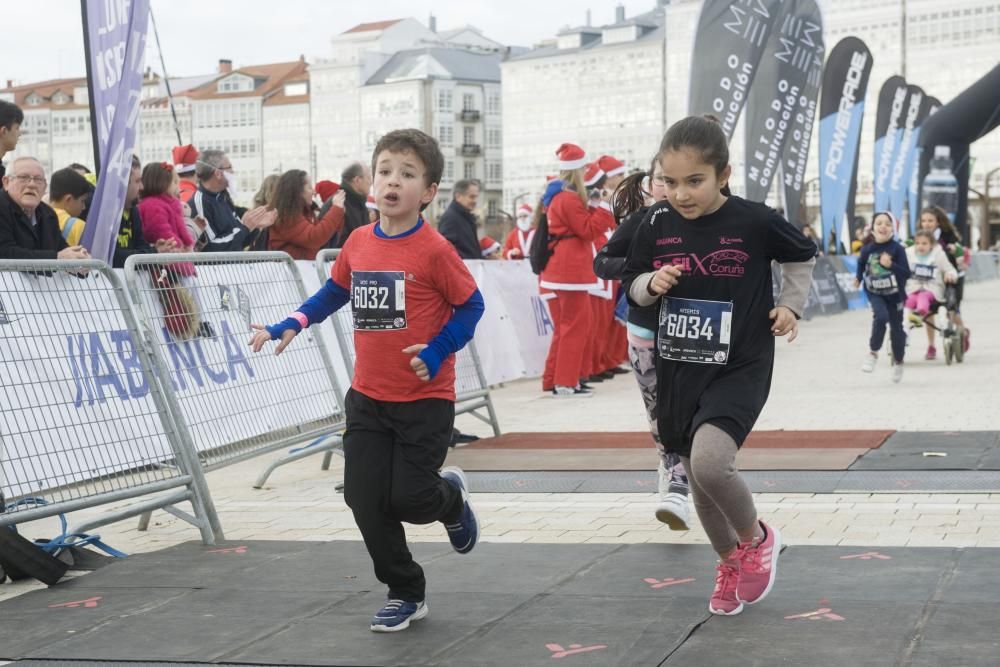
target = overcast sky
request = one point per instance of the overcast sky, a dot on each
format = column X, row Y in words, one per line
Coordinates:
column 42, row 39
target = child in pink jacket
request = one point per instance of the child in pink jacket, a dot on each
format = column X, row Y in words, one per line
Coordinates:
column 162, row 212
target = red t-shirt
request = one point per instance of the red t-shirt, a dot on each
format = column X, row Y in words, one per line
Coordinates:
column 403, row 290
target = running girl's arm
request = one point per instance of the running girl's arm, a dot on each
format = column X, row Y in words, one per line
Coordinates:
column 330, row 298
column 639, row 269
column 796, row 279
column 863, row 263
column 455, row 334
column 900, row 265
column 609, row 263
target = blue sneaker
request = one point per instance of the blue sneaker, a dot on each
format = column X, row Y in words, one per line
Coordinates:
column 396, row 615
column 465, row 533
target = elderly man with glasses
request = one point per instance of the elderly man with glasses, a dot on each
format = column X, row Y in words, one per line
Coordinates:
column 29, row 228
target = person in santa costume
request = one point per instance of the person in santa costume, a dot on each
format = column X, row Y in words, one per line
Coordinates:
column 185, row 158
column 489, row 248
column 517, row 245
column 601, row 304
column 614, row 351
column 568, row 275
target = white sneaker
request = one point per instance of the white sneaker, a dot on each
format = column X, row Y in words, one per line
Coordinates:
column 571, row 392
column 897, row 372
column 673, row 506
column 868, row 365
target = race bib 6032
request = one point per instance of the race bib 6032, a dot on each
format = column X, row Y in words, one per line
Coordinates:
column 378, row 299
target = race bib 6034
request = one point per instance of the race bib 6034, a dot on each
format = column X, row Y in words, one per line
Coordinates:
column 695, row 330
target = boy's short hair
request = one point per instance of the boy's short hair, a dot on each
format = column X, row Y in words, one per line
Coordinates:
column 67, row 182
column 923, row 233
column 10, row 114
column 423, row 145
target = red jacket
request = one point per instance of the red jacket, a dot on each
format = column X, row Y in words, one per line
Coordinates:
column 518, row 240
column 573, row 228
column 303, row 238
column 187, row 190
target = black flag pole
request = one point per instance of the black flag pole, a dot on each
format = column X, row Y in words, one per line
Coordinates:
column 90, row 87
column 166, row 79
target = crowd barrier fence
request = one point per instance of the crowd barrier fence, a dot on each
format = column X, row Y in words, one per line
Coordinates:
column 84, row 418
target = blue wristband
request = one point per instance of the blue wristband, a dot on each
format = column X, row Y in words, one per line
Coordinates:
column 284, row 325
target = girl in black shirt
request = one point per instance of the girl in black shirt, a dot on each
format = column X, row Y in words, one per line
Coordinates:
column 705, row 257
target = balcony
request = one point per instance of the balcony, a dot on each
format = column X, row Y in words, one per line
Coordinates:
column 469, row 115
column 471, row 150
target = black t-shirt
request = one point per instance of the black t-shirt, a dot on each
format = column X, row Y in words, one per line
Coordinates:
column 609, row 264
column 726, row 258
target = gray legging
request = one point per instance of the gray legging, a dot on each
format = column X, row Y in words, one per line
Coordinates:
column 721, row 497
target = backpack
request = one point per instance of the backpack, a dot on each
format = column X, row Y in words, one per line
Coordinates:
column 540, row 250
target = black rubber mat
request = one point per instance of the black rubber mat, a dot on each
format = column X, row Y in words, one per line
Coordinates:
column 301, row 603
column 760, row 481
column 955, row 450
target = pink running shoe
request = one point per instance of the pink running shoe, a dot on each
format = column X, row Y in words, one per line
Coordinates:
column 931, row 353
column 758, row 566
column 724, row 601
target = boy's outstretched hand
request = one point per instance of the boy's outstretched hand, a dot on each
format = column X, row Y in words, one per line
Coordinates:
column 784, row 322
column 416, row 363
column 262, row 336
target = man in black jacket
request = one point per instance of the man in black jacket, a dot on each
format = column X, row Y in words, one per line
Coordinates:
column 458, row 223
column 355, row 181
column 29, row 228
column 227, row 230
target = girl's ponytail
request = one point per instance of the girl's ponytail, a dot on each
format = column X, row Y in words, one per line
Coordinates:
column 629, row 196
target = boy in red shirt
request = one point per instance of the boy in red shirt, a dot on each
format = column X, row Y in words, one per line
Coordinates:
column 415, row 304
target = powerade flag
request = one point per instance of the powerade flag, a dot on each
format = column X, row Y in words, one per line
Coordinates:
column 795, row 156
column 778, row 96
column 842, row 109
column 916, row 111
column 911, row 118
column 888, row 117
column 115, row 40
column 728, row 45
column 913, row 190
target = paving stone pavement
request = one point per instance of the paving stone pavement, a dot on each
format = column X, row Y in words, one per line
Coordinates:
column 817, row 385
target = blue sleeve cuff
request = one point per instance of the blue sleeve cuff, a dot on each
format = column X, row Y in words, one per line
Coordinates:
column 458, row 331
column 284, row 325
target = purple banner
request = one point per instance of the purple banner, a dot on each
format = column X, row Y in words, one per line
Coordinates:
column 115, row 34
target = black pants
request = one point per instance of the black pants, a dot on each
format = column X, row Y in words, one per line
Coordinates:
column 392, row 453
column 887, row 310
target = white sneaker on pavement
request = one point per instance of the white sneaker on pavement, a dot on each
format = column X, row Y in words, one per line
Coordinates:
column 868, row 365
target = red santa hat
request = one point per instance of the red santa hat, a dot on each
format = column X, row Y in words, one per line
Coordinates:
column 326, row 189
column 488, row 245
column 524, row 209
column 370, row 203
column 570, row 157
column 592, row 174
column 185, row 158
column 611, row 166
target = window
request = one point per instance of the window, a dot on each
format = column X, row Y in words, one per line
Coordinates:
column 446, row 135
column 468, row 135
column 468, row 102
column 469, row 170
column 494, row 171
column 493, row 137
column 444, row 100
column 449, row 170
column 493, row 102
column 491, row 208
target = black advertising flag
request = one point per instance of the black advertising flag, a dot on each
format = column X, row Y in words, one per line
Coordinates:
column 795, row 155
column 728, row 45
column 842, row 110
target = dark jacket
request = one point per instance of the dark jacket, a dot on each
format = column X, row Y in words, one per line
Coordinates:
column 458, row 225
column 355, row 215
column 130, row 239
column 609, row 264
column 18, row 240
column 224, row 232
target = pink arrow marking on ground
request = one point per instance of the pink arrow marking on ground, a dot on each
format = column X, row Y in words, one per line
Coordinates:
column 560, row 652
column 905, row 483
column 669, row 581
column 770, row 483
column 89, row 603
column 643, row 482
column 821, row 613
column 230, row 550
column 521, row 482
column 868, row 555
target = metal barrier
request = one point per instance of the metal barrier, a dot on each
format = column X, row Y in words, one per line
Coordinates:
column 472, row 394
column 84, row 421
column 232, row 405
